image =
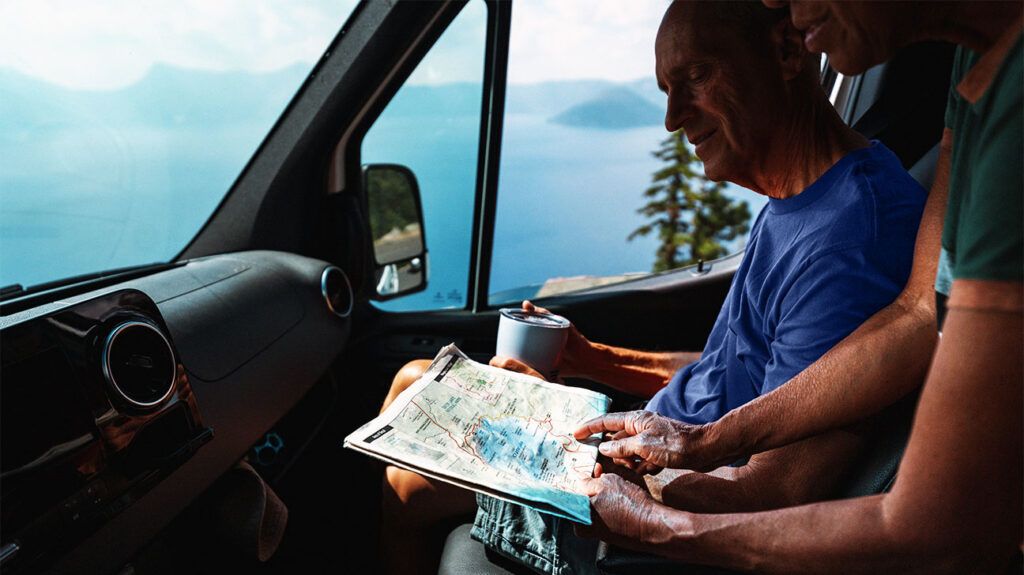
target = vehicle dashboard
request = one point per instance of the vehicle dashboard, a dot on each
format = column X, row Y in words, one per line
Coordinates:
column 123, row 404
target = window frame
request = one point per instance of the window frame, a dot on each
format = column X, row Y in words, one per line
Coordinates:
column 499, row 28
column 346, row 166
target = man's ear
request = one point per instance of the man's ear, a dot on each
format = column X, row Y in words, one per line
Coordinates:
column 788, row 43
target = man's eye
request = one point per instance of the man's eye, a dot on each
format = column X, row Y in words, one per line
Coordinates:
column 698, row 74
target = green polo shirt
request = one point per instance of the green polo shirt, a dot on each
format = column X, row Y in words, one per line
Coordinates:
column 983, row 235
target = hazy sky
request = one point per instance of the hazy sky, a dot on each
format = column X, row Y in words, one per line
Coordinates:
column 109, row 44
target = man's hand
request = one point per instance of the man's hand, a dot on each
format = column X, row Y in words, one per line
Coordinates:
column 644, row 441
column 573, row 362
column 620, row 509
column 510, row 364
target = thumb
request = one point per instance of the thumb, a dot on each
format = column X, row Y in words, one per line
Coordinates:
column 511, row 364
column 500, row 361
column 530, row 307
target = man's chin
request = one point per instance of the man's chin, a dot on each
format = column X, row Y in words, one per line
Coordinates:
column 713, row 171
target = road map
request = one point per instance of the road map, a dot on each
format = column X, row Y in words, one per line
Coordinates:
column 497, row 432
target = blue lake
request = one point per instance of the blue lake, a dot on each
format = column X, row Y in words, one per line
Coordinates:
column 98, row 180
column 567, row 201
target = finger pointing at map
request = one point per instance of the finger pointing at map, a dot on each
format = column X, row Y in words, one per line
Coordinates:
column 655, row 440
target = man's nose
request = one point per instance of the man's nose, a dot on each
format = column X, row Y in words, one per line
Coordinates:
column 678, row 110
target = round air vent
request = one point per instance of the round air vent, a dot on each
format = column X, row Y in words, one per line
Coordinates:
column 139, row 364
column 337, row 291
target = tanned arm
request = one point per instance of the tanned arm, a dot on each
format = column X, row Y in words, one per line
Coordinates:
column 803, row 472
column 639, row 373
column 956, row 505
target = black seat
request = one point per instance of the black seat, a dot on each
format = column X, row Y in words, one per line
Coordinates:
column 464, row 555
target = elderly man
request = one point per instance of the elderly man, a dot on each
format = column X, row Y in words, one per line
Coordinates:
column 832, row 247
column 956, row 505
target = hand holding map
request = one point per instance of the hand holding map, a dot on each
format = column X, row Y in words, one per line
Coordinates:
column 493, row 431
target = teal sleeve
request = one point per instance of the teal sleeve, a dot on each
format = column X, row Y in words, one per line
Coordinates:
column 990, row 230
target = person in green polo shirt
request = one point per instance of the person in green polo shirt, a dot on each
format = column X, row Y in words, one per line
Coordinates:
column 956, row 505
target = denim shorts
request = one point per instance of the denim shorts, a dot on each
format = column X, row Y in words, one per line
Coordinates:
column 542, row 542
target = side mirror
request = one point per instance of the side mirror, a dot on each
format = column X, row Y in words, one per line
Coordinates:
column 396, row 225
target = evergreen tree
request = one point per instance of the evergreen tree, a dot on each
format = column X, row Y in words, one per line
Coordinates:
column 689, row 212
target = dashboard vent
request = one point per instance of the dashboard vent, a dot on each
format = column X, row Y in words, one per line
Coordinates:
column 337, row 291
column 139, row 363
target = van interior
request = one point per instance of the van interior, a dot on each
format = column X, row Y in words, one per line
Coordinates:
column 267, row 339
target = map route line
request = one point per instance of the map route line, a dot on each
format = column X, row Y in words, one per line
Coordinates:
column 429, row 417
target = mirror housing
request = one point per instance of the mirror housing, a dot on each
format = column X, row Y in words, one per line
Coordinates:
column 396, row 228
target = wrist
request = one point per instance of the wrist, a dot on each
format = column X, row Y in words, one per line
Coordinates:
column 584, row 360
column 717, row 443
column 666, row 528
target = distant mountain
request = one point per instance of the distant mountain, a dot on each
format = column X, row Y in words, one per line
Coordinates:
column 171, row 96
column 547, row 98
column 166, row 96
column 648, row 88
column 614, row 109
column 542, row 98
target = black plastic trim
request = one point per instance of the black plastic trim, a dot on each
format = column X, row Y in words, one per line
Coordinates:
column 195, row 247
column 492, row 111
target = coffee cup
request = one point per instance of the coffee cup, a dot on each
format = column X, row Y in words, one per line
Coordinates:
column 534, row 338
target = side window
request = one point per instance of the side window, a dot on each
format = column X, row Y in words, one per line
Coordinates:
column 432, row 127
column 588, row 183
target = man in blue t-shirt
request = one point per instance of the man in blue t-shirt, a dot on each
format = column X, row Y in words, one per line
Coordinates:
column 832, row 247
column 817, row 265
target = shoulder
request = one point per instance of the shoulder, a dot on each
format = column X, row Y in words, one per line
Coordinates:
column 879, row 176
column 874, row 199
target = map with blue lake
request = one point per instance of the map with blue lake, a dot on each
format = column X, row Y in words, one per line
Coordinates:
column 493, row 431
column 524, row 447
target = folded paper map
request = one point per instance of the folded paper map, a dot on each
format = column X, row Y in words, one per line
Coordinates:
column 493, row 431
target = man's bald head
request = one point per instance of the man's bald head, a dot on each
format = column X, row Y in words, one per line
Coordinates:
column 748, row 22
column 732, row 71
column 745, row 19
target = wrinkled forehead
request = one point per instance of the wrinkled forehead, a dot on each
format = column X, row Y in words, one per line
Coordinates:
column 688, row 33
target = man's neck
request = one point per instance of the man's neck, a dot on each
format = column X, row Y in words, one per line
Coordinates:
column 811, row 140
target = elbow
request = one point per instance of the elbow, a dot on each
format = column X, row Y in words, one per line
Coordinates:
column 920, row 328
column 919, row 307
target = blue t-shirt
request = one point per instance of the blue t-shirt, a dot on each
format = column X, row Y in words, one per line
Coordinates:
column 817, row 265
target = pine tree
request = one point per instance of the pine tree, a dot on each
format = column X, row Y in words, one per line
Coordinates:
column 690, row 213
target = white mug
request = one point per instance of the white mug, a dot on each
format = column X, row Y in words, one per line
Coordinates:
column 534, row 338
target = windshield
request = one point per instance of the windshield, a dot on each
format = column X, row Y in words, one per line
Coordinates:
column 124, row 123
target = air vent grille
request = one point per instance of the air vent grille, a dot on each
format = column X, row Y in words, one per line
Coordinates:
column 139, row 363
column 337, row 291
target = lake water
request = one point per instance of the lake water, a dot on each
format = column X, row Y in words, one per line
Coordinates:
column 567, row 201
column 94, row 181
